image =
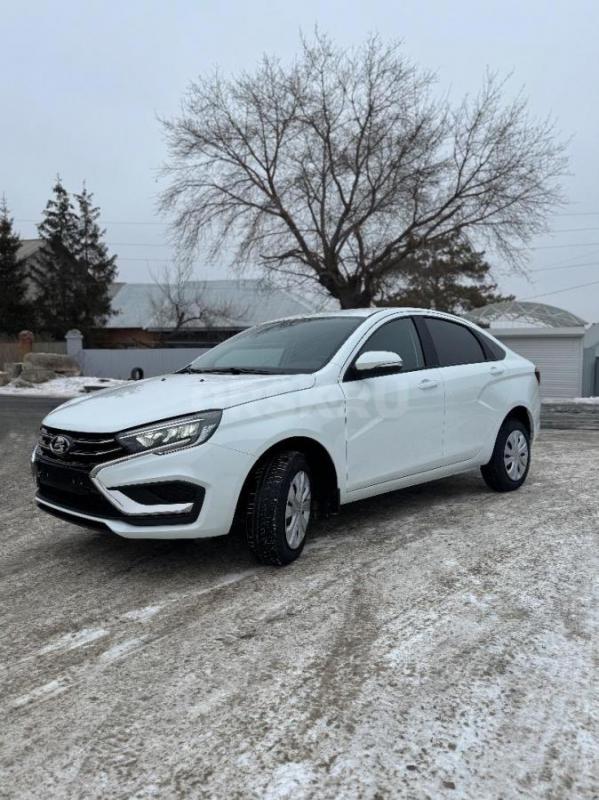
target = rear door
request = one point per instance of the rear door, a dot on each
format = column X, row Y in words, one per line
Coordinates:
column 394, row 421
column 467, row 376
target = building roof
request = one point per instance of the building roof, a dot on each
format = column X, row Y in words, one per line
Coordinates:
column 232, row 304
column 28, row 248
column 524, row 314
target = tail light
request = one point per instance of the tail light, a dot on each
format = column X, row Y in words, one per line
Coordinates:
column 538, row 375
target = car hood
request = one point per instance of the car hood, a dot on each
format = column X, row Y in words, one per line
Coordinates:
column 141, row 402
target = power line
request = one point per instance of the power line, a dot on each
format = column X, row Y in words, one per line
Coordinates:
column 166, row 224
column 561, row 246
column 108, row 222
column 573, row 230
column 566, row 266
column 561, row 291
column 536, row 247
column 577, row 214
column 157, row 222
column 138, row 244
column 132, row 258
column 168, row 244
column 569, row 260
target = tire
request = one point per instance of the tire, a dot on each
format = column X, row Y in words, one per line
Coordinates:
column 502, row 473
column 272, row 508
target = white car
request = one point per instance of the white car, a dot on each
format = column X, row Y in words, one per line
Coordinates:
column 287, row 421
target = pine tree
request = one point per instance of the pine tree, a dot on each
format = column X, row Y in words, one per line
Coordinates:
column 92, row 255
column 60, row 290
column 448, row 275
column 14, row 308
column 72, row 271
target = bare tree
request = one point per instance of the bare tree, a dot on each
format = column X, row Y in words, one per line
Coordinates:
column 340, row 166
column 181, row 301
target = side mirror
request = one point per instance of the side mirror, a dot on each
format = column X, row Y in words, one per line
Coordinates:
column 378, row 360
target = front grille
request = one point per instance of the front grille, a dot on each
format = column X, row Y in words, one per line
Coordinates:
column 85, row 450
column 72, row 489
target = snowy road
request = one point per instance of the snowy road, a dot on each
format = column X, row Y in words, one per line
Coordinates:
column 437, row 642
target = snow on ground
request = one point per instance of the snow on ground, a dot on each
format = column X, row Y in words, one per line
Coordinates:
column 61, row 387
column 438, row 642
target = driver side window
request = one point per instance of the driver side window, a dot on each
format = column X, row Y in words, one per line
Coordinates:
column 398, row 336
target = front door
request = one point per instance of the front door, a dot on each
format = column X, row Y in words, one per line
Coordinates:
column 394, row 422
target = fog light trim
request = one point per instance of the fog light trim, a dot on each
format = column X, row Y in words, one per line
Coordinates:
column 129, row 506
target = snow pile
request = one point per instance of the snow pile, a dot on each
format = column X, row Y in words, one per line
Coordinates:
column 590, row 401
column 61, row 387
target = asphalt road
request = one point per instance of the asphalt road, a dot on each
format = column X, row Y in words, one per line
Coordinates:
column 437, row 642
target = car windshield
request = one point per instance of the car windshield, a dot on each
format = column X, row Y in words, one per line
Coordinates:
column 288, row 346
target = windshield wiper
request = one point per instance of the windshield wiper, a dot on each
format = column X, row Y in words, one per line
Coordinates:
column 238, row 371
column 228, row 370
column 188, row 369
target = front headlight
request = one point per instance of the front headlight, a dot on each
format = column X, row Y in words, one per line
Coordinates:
column 172, row 434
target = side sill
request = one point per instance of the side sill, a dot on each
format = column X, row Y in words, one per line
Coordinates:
column 406, row 481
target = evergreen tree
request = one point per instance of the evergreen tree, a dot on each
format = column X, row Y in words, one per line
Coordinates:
column 14, row 308
column 447, row 275
column 72, row 271
column 60, row 291
column 92, row 255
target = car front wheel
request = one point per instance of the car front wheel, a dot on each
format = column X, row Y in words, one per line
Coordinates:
column 510, row 462
column 279, row 508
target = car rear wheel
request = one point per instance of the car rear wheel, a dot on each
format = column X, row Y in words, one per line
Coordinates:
column 279, row 508
column 510, row 462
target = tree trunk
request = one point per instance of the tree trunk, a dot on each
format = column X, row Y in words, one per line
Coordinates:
column 352, row 298
column 350, row 292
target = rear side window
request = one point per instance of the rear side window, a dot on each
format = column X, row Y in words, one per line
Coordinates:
column 494, row 351
column 398, row 336
column 454, row 343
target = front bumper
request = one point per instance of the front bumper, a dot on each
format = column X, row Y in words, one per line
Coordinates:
column 217, row 472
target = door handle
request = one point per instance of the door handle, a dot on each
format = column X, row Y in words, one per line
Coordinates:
column 497, row 370
column 427, row 383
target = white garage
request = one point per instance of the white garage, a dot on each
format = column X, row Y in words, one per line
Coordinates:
column 550, row 337
column 556, row 352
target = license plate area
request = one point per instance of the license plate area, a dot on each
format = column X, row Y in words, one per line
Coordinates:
column 64, row 478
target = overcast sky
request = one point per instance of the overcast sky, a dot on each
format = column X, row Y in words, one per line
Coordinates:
column 83, row 83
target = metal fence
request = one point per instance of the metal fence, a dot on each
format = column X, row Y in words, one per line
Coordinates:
column 106, row 363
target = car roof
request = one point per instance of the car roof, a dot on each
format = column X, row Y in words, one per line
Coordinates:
column 369, row 312
column 355, row 312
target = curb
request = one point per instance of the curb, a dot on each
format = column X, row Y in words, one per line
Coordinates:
column 570, row 416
